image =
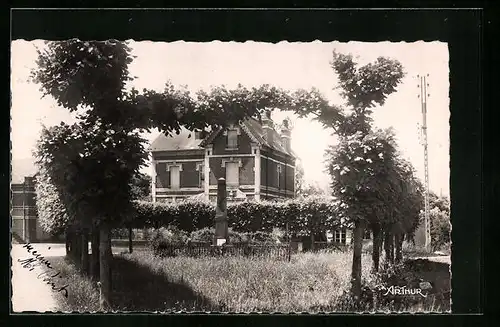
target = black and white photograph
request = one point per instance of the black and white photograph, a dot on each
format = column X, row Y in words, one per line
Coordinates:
column 230, row 176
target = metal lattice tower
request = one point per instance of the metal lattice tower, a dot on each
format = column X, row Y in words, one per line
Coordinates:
column 423, row 100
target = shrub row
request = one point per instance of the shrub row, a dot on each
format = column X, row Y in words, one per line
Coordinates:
column 172, row 241
column 300, row 216
column 174, row 236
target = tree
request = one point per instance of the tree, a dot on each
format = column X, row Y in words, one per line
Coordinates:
column 358, row 163
column 299, row 178
column 141, row 187
column 103, row 151
column 439, row 216
column 404, row 211
column 312, row 189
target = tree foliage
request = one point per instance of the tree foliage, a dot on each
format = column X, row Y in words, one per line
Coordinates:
column 140, row 186
column 312, row 189
column 91, row 170
column 299, row 178
column 439, row 216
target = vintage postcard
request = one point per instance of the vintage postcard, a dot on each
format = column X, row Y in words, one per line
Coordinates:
column 230, row 176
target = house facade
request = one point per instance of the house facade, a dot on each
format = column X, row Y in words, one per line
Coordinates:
column 253, row 156
column 25, row 223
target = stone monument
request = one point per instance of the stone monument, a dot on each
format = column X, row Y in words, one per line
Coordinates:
column 221, row 226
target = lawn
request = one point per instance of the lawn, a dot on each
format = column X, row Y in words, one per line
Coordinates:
column 143, row 282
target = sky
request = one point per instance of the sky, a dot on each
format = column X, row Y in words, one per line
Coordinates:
column 286, row 65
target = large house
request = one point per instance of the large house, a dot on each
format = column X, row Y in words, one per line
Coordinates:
column 255, row 159
column 25, row 224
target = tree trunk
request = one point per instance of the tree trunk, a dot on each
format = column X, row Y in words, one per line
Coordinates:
column 105, row 257
column 398, row 240
column 76, row 249
column 388, row 247
column 377, row 245
column 312, row 241
column 130, row 248
column 68, row 244
column 356, row 260
column 85, row 252
column 94, row 259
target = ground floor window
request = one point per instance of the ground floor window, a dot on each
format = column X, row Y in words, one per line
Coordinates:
column 340, row 236
column 175, row 177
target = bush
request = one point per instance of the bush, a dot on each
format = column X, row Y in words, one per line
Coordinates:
column 204, row 235
column 440, row 228
column 261, row 238
column 120, row 233
column 408, row 275
column 165, row 239
column 302, row 216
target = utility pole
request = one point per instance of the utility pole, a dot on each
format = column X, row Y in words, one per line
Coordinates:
column 423, row 101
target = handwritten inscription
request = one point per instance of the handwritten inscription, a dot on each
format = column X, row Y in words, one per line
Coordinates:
column 49, row 276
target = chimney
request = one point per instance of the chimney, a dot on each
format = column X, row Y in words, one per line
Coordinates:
column 268, row 127
column 286, row 135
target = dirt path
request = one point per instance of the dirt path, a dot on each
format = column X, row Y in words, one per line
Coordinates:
column 29, row 292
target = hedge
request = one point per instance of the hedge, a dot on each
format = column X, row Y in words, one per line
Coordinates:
column 314, row 214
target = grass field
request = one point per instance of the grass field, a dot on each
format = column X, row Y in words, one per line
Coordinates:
column 143, row 282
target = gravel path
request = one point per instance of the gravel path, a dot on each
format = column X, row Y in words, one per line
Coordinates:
column 29, row 292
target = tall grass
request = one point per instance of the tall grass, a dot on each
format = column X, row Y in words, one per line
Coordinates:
column 83, row 295
column 306, row 282
column 310, row 282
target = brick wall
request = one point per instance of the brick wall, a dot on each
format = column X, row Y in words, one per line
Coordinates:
column 244, row 144
column 247, row 173
column 25, row 221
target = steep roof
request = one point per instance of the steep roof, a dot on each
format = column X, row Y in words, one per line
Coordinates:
column 255, row 128
column 185, row 140
column 182, row 141
column 22, row 168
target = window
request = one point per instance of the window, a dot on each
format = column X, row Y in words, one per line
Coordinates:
column 340, row 236
column 232, row 173
column 232, row 139
column 175, row 177
column 200, row 135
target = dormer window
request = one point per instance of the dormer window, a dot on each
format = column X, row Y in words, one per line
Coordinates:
column 199, row 135
column 232, row 139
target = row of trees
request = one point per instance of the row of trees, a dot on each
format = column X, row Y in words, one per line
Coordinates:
column 376, row 188
column 87, row 168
